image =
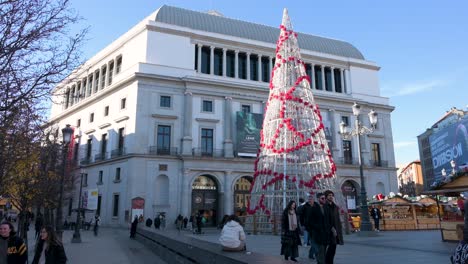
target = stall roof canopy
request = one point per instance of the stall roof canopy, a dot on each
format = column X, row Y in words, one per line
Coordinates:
column 455, row 187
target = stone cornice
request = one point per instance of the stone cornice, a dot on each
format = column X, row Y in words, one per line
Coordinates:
column 164, row 116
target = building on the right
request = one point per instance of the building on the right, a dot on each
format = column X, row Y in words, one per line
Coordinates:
column 410, row 181
column 443, row 148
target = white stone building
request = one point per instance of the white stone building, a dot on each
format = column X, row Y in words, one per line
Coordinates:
column 155, row 113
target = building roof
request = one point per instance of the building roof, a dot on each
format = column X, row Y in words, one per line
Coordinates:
column 215, row 23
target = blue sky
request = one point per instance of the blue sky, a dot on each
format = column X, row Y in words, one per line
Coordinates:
column 419, row 45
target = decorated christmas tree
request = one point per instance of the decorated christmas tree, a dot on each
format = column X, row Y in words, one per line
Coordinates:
column 294, row 158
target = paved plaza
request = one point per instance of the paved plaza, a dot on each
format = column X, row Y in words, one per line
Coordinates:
column 113, row 246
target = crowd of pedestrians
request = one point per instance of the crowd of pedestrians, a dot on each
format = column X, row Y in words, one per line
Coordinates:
column 321, row 226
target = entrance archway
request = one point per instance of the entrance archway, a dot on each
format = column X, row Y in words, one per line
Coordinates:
column 350, row 193
column 242, row 195
column 205, row 198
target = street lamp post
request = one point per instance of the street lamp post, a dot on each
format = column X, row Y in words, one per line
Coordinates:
column 359, row 130
column 67, row 134
column 76, row 235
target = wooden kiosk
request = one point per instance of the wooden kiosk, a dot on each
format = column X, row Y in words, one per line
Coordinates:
column 451, row 222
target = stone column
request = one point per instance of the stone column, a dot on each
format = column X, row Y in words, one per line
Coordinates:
column 186, row 191
column 211, row 60
column 228, row 195
column 199, row 57
column 323, row 77
column 332, row 70
column 236, row 64
column 342, row 81
column 248, row 66
column 259, row 74
column 349, row 88
column 187, row 139
column 335, row 139
column 228, row 146
column 270, row 66
column 224, row 62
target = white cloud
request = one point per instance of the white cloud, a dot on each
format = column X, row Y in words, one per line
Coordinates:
column 412, row 88
column 404, row 144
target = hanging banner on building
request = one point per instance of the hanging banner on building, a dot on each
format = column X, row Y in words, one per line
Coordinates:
column 138, row 205
column 90, row 199
column 248, row 133
column 450, row 143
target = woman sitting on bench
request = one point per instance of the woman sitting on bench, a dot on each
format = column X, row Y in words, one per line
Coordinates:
column 232, row 236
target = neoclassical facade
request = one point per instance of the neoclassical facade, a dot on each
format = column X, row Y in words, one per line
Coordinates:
column 156, row 114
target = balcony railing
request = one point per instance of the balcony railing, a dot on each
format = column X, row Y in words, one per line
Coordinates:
column 346, row 161
column 155, row 150
column 378, row 163
column 100, row 157
column 117, row 152
column 213, row 153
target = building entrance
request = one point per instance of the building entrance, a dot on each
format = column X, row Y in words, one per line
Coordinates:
column 205, row 198
column 242, row 195
column 350, row 193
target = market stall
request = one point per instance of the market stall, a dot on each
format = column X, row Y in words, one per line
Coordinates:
column 451, row 219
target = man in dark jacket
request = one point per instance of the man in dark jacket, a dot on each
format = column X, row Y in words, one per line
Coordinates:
column 375, row 213
column 17, row 252
column 318, row 226
column 335, row 227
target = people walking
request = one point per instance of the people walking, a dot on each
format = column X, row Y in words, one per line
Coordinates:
column 375, row 214
column 157, row 222
column 336, row 233
column 301, row 216
column 97, row 221
column 133, row 227
column 233, row 235
column 290, row 239
column 198, row 220
column 307, row 207
column 179, row 222
column 185, row 222
column 38, row 224
column 149, row 222
column 13, row 249
column 49, row 249
column 318, row 226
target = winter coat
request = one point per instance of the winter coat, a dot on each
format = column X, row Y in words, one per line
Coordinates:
column 317, row 224
column 55, row 254
column 232, row 235
column 335, row 222
column 285, row 229
column 17, row 252
column 375, row 213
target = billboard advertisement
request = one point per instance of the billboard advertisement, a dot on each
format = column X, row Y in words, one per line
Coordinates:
column 90, row 199
column 450, row 143
column 248, row 127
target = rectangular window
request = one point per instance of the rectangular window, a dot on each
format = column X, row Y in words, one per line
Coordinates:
column 123, row 103
column 218, row 62
column 345, row 120
column 78, row 122
column 91, row 117
column 78, row 92
column 205, row 60
column 318, row 77
column 67, row 99
column 308, row 69
column 85, row 81
column 118, row 68
column 253, row 67
column 103, row 145
column 265, row 69
column 207, row 106
column 101, row 173
column 117, row 174
column 230, row 63
column 103, row 76
column 347, row 152
column 73, row 95
column 96, row 81
column 242, row 65
column 90, row 84
column 328, row 79
column 376, row 154
column 111, row 71
column 89, row 148
column 337, row 76
column 121, row 139
column 115, row 210
column 106, row 111
column 164, row 139
column 85, row 179
column 207, row 142
column 196, row 57
column 165, row 101
column 246, row 108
